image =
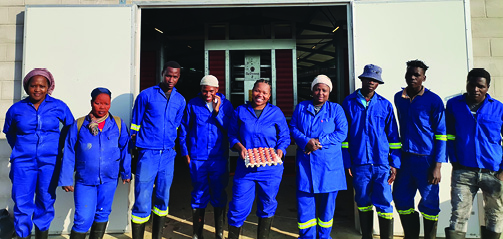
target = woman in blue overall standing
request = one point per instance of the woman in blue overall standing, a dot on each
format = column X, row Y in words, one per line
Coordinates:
column 256, row 124
column 96, row 148
column 32, row 127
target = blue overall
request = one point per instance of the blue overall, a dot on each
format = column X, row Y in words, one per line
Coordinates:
column 155, row 122
column 203, row 137
column 34, row 137
column 97, row 162
column 423, row 135
column 372, row 146
column 320, row 174
column 270, row 130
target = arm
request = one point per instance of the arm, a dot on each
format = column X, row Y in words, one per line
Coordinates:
column 185, row 129
column 224, row 115
column 125, row 160
column 179, row 113
column 68, row 162
column 395, row 144
column 138, row 112
column 295, row 125
column 341, row 129
column 9, row 128
column 346, row 157
column 283, row 134
column 450, row 123
column 440, row 142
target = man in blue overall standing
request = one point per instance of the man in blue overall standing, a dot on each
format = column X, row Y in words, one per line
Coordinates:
column 157, row 114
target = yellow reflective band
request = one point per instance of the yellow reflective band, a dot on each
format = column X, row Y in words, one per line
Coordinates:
column 451, row 137
column 345, row 145
column 430, row 217
column 365, row 209
column 308, row 224
column 441, row 137
column 406, row 212
column 325, row 224
column 139, row 220
column 385, row 215
column 160, row 212
column 395, row 145
column 135, row 127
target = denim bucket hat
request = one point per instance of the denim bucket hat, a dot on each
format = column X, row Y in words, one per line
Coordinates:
column 373, row 72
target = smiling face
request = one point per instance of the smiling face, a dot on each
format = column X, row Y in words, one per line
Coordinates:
column 477, row 88
column 260, row 95
column 415, row 78
column 170, row 78
column 100, row 105
column 320, row 93
column 208, row 93
column 37, row 89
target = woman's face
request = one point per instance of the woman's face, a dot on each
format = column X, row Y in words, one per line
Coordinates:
column 320, row 93
column 100, row 105
column 261, row 94
column 37, row 88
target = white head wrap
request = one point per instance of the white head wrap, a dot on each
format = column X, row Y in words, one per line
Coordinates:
column 322, row 79
column 209, row 80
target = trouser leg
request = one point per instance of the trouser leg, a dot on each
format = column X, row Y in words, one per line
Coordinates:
column 325, row 205
column 23, row 175
column 306, row 215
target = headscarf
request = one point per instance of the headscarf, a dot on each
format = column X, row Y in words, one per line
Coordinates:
column 39, row 72
column 322, row 79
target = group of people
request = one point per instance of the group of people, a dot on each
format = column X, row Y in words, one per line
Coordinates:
column 361, row 136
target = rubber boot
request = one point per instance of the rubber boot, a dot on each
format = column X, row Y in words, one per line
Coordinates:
column 157, row 226
column 198, row 223
column 430, row 229
column 234, row 232
column 98, row 230
column 264, row 227
column 410, row 225
column 385, row 228
column 367, row 224
column 451, row 234
column 219, row 216
column 77, row 235
column 137, row 230
column 18, row 237
column 487, row 234
column 41, row 234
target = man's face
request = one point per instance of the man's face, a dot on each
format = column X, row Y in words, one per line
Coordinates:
column 208, row 93
column 170, row 77
column 369, row 85
column 415, row 77
column 477, row 88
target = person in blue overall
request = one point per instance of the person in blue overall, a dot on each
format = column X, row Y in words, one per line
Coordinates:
column 318, row 127
column 32, row 128
column 96, row 148
column 157, row 114
column 474, row 133
column 421, row 115
column 372, row 152
column 256, row 124
column 205, row 146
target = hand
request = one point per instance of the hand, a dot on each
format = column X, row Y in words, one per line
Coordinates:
column 241, row 150
column 187, row 158
column 133, row 137
column 434, row 175
column 349, row 171
column 312, row 145
column 392, row 175
column 124, row 181
column 500, row 176
column 68, row 188
column 216, row 106
column 280, row 153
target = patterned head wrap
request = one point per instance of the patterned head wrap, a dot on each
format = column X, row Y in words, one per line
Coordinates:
column 39, row 72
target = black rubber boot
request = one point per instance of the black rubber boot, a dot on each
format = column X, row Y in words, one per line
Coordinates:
column 367, row 224
column 41, row 234
column 157, row 226
column 487, row 234
column 451, row 234
column 198, row 223
column 98, row 230
column 264, row 227
column 430, row 229
column 386, row 228
column 219, row 222
column 234, row 232
column 410, row 225
column 138, row 230
column 77, row 235
column 18, row 237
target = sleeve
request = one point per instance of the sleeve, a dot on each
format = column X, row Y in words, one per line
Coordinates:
column 125, row 163
column 233, row 132
column 224, row 115
column 346, row 157
column 341, row 129
column 283, row 132
column 295, row 126
column 68, row 162
column 179, row 113
column 68, row 117
column 140, row 105
column 9, row 128
column 450, row 123
column 395, row 145
column 185, row 129
column 438, row 123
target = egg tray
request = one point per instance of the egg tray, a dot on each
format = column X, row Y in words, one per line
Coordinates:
column 258, row 157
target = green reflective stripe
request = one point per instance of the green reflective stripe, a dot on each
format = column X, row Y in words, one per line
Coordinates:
column 451, row 137
column 365, row 209
column 325, row 224
column 441, row 137
column 385, row 215
column 395, row 145
column 345, row 145
column 160, row 212
column 135, row 127
column 308, row 224
column 139, row 220
column 430, row 217
column 406, row 212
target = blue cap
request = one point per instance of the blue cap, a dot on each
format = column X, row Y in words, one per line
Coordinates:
column 100, row 90
column 373, row 72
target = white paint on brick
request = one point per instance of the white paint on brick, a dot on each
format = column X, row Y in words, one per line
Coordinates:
column 11, row 2
column 7, row 71
column 3, row 52
column 494, row 65
column 4, row 15
column 481, row 47
column 478, row 8
column 7, row 91
column 16, row 15
column 497, row 85
column 487, row 27
column 41, row 2
column 494, row 8
column 497, row 47
column 14, row 52
column 11, row 33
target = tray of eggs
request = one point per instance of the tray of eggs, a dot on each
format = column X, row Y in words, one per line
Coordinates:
column 257, row 157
